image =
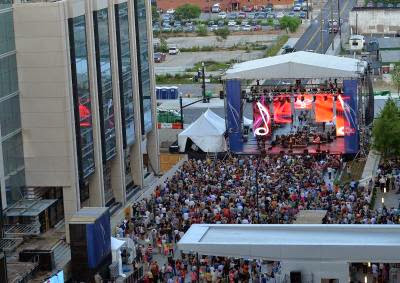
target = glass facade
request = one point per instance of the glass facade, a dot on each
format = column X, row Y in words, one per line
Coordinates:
column 104, row 81
column 81, row 93
column 10, row 121
column 125, row 73
column 143, row 64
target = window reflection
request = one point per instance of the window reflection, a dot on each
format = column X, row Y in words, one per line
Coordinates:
column 143, row 64
column 125, row 71
column 80, row 73
column 104, row 80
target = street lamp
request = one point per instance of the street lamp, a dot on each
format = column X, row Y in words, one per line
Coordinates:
column 203, row 86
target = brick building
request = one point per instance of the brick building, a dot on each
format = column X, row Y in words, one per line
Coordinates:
column 226, row 5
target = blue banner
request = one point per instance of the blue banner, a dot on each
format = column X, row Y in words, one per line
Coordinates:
column 98, row 236
column 351, row 132
column 233, row 115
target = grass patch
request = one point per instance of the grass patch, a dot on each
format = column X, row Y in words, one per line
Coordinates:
column 274, row 49
column 174, row 79
column 356, row 170
column 211, row 66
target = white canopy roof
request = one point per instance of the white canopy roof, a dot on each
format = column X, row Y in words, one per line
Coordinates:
column 207, row 132
column 349, row 243
column 297, row 65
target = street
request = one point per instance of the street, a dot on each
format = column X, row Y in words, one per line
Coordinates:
column 313, row 39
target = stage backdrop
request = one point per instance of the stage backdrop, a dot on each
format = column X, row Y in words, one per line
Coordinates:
column 233, row 115
column 282, row 110
column 261, row 118
column 323, row 108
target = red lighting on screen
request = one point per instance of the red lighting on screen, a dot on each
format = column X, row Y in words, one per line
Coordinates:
column 282, row 110
column 323, row 108
column 84, row 115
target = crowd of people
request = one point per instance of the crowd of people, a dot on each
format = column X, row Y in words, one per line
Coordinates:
column 226, row 192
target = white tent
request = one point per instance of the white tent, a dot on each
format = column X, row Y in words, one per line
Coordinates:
column 297, row 65
column 207, row 132
column 247, row 122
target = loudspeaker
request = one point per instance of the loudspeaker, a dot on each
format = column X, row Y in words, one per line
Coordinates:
column 295, row 277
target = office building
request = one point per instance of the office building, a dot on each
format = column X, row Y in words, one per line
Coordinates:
column 88, row 110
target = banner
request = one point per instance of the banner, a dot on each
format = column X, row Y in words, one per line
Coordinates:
column 303, row 102
column 323, row 108
column 261, row 118
column 351, row 135
column 234, row 115
column 340, row 117
column 282, row 110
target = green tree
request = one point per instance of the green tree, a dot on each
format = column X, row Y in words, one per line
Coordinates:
column 386, row 130
column 163, row 45
column 396, row 77
column 187, row 12
column 222, row 32
column 289, row 23
column 155, row 14
column 202, row 30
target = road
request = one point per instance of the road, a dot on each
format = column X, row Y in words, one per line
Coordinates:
column 312, row 38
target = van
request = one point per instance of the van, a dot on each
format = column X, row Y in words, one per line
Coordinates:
column 216, row 8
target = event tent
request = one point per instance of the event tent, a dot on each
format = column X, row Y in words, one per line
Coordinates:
column 297, row 65
column 207, row 132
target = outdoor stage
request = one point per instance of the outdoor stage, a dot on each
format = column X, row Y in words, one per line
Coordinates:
column 335, row 147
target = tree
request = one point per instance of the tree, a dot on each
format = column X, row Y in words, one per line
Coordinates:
column 291, row 23
column 222, row 32
column 386, row 130
column 396, row 77
column 187, row 12
column 201, row 30
column 155, row 14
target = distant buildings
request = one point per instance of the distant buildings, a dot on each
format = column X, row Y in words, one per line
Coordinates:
column 374, row 20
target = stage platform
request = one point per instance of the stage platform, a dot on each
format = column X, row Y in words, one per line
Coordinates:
column 335, row 147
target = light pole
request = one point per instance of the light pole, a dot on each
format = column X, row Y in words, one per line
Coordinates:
column 203, row 86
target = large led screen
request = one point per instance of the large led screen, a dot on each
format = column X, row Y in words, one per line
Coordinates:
column 303, row 102
column 323, row 108
column 340, row 117
column 261, row 118
column 282, row 110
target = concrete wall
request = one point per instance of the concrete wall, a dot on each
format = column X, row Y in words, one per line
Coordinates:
column 44, row 83
column 375, row 21
column 168, row 135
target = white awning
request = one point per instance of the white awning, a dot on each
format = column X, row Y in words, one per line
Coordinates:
column 348, row 243
column 297, row 65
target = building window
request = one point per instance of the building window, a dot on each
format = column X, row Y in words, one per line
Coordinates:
column 7, row 42
column 81, row 94
column 143, row 65
column 104, row 81
column 125, row 73
column 8, row 75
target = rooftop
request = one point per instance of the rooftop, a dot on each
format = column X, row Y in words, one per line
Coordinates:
column 390, row 56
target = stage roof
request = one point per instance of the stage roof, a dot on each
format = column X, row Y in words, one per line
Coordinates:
column 349, row 243
column 297, row 65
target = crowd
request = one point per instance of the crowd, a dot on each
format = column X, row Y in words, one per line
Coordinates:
column 227, row 191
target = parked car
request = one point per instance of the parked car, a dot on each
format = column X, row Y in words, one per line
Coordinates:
column 170, row 11
column 166, row 17
column 251, row 15
column 261, row 15
column 222, row 15
column 297, row 7
column 166, row 28
column 242, row 15
column 292, row 14
column 173, row 50
column 188, row 28
column 221, row 23
column 280, row 15
column 214, row 27
column 247, row 8
column 232, row 16
column 244, row 23
column 216, row 8
column 303, row 14
column 246, row 28
column 271, row 16
column 211, row 23
column 156, row 28
column 177, row 29
column 231, row 23
column 234, row 28
column 159, row 57
column 177, row 24
column 288, row 49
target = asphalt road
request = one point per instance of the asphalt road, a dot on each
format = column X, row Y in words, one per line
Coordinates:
column 312, row 38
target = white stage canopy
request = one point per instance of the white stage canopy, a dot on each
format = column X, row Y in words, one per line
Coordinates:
column 297, row 65
column 347, row 243
column 207, row 132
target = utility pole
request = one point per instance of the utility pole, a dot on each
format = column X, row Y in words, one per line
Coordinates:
column 307, row 10
column 333, row 39
column 340, row 22
column 203, row 86
column 322, row 35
